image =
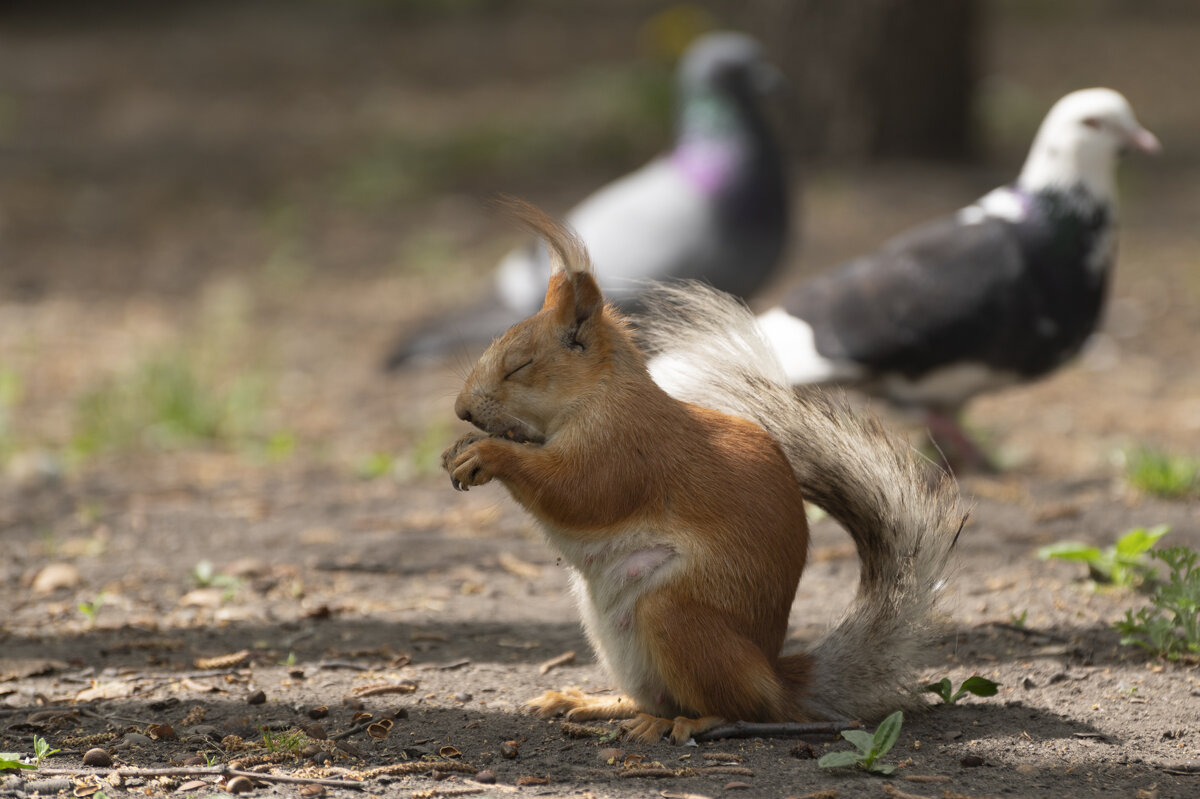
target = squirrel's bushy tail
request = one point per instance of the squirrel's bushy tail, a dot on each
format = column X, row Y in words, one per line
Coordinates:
column 903, row 514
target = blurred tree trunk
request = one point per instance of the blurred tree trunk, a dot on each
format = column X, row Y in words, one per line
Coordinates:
column 874, row 78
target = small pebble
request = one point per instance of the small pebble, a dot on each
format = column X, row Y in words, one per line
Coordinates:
column 296, row 674
column 486, row 777
column 509, row 749
column 462, row 697
column 803, row 751
column 239, row 785
column 256, row 698
column 97, row 757
column 971, row 761
column 321, row 758
column 132, row 740
column 315, row 731
column 318, row 712
column 310, row 750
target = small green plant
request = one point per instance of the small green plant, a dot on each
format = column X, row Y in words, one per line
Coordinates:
column 1161, row 474
column 870, row 747
column 375, row 465
column 1019, row 619
column 1170, row 626
column 90, row 609
column 210, row 758
column 205, row 575
column 41, row 750
column 289, row 741
column 1123, row 564
column 979, row 686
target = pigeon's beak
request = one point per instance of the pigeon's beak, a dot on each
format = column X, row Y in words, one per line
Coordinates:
column 1144, row 140
column 767, row 79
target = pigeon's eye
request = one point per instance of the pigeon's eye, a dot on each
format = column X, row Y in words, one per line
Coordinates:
column 1092, row 122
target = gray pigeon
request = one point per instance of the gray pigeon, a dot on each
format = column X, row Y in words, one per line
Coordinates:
column 714, row 208
column 1001, row 292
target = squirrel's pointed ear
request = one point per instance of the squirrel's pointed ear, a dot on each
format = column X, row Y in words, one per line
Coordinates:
column 574, row 297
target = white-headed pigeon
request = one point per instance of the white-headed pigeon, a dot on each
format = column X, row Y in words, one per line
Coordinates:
column 714, row 208
column 1003, row 291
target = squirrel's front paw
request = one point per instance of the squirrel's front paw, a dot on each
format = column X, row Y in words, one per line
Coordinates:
column 463, row 461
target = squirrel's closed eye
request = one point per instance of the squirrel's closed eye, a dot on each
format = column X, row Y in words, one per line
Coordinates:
column 512, row 372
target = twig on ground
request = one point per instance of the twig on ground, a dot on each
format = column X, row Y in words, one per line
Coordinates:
column 1029, row 632
column 198, row 771
column 747, row 729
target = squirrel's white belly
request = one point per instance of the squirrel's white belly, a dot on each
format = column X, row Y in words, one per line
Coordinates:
column 608, row 578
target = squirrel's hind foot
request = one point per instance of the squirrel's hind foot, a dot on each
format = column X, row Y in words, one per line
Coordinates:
column 575, row 705
column 648, row 729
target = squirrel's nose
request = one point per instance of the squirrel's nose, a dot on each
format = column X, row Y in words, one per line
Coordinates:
column 460, row 408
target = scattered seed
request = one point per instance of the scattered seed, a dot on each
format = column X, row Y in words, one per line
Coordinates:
column 509, row 749
column 312, row 790
column 256, row 698
column 239, row 785
column 380, row 729
column 97, row 757
column 318, row 712
column 315, row 731
column 162, row 732
column 486, row 777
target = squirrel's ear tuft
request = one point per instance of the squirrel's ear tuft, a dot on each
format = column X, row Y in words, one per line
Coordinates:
column 567, row 251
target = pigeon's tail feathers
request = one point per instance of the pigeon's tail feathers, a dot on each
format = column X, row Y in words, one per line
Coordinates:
column 903, row 514
column 460, row 332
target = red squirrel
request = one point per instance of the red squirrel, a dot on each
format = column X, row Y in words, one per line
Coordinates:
column 683, row 522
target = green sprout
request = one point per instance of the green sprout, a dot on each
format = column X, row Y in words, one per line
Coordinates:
column 870, row 747
column 1163, row 475
column 980, row 686
column 1123, row 564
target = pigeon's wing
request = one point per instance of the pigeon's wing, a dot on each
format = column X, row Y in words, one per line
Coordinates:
column 649, row 225
column 938, row 294
column 653, row 224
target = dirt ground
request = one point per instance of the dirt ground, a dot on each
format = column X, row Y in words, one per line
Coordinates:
column 232, row 188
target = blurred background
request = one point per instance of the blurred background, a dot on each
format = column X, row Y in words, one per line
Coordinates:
column 216, row 216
